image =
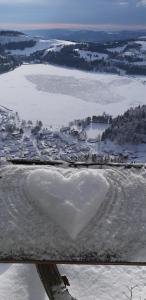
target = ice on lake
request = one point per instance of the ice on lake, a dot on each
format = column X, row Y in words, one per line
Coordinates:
column 59, row 95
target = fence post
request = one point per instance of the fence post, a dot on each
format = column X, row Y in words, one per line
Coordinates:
column 53, row 282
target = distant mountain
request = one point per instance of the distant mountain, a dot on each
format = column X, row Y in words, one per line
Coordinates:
column 86, row 35
column 10, row 33
column 125, row 55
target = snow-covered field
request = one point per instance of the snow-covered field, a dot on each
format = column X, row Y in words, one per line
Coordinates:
column 106, row 282
column 58, row 95
column 21, row 282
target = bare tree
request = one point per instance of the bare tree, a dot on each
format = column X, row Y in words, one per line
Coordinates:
column 130, row 289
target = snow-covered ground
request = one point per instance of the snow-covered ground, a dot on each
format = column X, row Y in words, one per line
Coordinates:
column 106, row 282
column 58, row 95
column 21, row 282
column 143, row 44
column 117, row 49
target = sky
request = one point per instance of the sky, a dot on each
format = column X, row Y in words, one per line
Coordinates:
column 73, row 14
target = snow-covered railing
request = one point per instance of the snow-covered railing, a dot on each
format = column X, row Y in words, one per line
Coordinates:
column 59, row 212
column 76, row 163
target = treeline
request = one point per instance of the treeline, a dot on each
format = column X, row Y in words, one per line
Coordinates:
column 10, row 33
column 103, row 119
column 8, row 63
column 19, row 45
column 68, row 57
column 129, row 127
column 132, row 69
column 65, row 57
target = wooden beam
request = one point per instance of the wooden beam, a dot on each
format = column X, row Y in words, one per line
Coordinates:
column 53, row 282
column 75, row 164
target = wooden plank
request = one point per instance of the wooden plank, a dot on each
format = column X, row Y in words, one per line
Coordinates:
column 52, row 281
column 75, row 164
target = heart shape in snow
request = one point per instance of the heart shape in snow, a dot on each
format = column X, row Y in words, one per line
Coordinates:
column 70, row 197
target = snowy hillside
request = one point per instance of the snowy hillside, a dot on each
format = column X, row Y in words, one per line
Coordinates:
column 119, row 57
column 19, row 44
column 8, row 37
column 47, row 45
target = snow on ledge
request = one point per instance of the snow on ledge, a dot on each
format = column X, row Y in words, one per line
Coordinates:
column 66, row 214
column 70, row 198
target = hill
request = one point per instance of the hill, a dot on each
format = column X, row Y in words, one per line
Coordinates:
column 129, row 127
column 86, row 35
column 121, row 54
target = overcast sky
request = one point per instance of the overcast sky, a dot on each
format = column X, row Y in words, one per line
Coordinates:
column 62, row 13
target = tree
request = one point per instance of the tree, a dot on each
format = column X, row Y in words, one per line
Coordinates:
column 35, row 130
column 130, row 289
column 29, row 122
column 10, row 128
column 23, row 123
column 40, row 124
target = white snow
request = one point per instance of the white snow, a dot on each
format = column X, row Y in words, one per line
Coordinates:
column 77, row 196
column 91, row 56
column 105, row 282
column 140, row 63
column 45, row 92
column 113, row 202
column 20, row 282
column 48, row 45
column 117, row 49
column 142, row 43
column 57, row 45
column 128, row 53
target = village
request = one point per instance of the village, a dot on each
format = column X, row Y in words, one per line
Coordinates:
column 21, row 139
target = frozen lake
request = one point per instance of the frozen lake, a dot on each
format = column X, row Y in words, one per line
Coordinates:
column 58, row 95
column 94, row 130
